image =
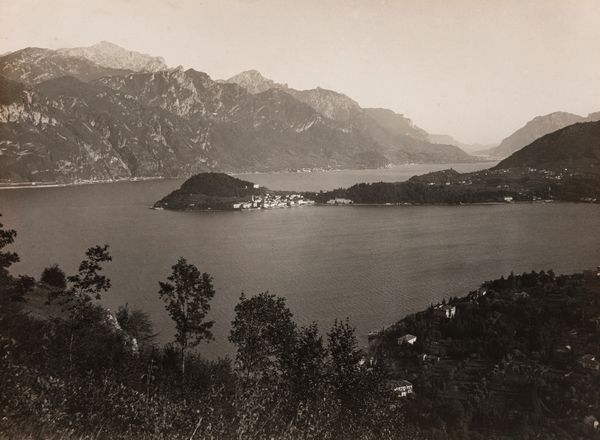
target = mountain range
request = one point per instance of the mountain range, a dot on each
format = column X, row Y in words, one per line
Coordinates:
column 103, row 112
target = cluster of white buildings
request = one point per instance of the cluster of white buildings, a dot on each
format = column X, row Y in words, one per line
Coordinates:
column 269, row 201
column 339, row 201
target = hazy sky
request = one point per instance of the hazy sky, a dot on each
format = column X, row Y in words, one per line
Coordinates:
column 474, row 69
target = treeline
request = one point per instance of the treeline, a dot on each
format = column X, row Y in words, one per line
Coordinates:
column 440, row 188
column 84, row 373
column 414, row 193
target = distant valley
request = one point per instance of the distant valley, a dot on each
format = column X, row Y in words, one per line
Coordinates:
column 106, row 113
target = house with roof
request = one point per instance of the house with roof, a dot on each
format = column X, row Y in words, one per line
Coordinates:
column 407, row 339
column 402, row 388
column 444, row 311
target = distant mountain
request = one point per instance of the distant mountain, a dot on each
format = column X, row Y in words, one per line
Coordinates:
column 110, row 55
column 265, row 131
column 575, row 148
column 449, row 140
column 169, row 123
column 442, row 139
column 535, row 129
column 34, row 65
column 400, row 139
column 254, row 82
column 398, row 125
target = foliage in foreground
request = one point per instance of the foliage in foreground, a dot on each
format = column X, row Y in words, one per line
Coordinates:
column 84, row 374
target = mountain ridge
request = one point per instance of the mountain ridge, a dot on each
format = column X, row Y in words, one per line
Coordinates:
column 534, row 129
column 85, row 114
column 110, row 55
column 402, row 141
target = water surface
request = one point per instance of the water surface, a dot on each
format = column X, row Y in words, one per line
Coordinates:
column 371, row 264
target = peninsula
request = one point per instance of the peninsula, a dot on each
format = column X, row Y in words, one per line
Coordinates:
column 221, row 192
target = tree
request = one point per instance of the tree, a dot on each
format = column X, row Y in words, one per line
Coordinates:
column 306, row 370
column 264, row 334
column 137, row 324
column 88, row 284
column 7, row 259
column 187, row 295
column 345, row 374
column 54, row 276
column 76, row 301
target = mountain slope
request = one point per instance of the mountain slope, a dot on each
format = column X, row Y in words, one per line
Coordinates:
column 401, row 141
column 575, row 148
column 535, row 129
column 396, row 124
column 265, row 131
column 67, row 130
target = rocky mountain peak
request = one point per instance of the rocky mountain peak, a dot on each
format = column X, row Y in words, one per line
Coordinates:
column 255, row 82
column 107, row 54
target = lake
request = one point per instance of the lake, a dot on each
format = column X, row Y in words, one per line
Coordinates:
column 371, row 264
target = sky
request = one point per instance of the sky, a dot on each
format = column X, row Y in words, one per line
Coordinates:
column 473, row 69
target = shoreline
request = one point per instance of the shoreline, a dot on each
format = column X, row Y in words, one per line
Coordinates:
column 34, row 185
column 28, row 185
column 383, row 205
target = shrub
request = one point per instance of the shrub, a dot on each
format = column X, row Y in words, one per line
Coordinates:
column 54, row 276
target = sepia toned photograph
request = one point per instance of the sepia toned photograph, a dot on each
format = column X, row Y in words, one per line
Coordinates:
column 299, row 220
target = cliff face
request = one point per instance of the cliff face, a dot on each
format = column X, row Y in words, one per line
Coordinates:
column 66, row 130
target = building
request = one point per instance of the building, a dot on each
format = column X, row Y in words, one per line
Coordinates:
column 508, row 199
column 445, row 311
column 407, row 339
column 402, row 388
column 430, row 358
column 339, row 201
